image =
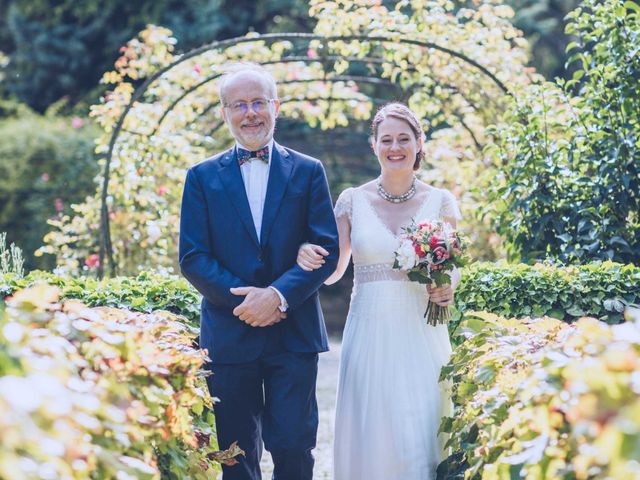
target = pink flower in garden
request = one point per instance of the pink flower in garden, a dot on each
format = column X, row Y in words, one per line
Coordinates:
column 162, row 190
column 312, row 53
column 44, row 177
column 77, row 122
column 58, row 204
column 92, row 261
column 197, row 68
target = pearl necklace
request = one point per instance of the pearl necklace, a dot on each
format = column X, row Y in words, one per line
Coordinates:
column 396, row 198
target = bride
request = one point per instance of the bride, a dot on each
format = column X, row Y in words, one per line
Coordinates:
column 389, row 403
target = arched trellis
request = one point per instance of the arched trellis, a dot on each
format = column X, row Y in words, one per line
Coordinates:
column 106, row 248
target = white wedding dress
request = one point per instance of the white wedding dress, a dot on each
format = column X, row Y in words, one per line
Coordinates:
column 390, row 403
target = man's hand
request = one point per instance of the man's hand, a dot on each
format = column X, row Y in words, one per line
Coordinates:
column 260, row 306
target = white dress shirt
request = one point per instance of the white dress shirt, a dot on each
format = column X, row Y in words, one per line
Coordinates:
column 255, row 176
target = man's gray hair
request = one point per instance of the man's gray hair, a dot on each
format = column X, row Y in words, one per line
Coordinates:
column 233, row 70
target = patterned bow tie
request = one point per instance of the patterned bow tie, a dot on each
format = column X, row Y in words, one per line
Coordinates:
column 245, row 155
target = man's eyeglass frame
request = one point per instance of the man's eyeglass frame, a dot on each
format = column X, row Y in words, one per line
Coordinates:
column 257, row 106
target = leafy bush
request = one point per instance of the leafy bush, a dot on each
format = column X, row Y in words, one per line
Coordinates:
column 541, row 399
column 568, row 184
column 100, row 393
column 46, row 163
column 600, row 290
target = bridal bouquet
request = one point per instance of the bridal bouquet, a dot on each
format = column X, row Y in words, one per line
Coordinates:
column 428, row 251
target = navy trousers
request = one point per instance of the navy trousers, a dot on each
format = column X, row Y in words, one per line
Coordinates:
column 270, row 400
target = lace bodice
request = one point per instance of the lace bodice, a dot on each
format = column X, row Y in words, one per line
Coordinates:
column 374, row 235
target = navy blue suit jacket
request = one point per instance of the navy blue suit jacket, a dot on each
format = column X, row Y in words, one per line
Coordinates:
column 219, row 249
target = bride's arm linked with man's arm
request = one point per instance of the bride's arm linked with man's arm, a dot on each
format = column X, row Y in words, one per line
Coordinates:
column 311, row 256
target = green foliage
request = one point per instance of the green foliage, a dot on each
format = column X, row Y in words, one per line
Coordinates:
column 569, row 166
column 544, row 400
column 45, row 165
column 145, row 293
column 119, row 394
column 600, row 290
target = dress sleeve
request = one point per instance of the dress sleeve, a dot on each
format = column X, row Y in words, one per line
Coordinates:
column 449, row 206
column 344, row 204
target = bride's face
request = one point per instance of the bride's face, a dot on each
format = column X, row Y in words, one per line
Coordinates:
column 396, row 146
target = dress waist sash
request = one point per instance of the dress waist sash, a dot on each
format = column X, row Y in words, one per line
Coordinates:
column 378, row 272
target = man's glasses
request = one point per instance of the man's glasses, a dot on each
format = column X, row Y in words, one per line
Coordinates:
column 257, row 106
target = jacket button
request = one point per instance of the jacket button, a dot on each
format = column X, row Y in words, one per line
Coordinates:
column 259, row 258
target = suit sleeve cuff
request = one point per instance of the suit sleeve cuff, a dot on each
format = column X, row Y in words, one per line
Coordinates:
column 283, row 301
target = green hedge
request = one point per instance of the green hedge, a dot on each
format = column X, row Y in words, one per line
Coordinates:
column 599, row 290
column 540, row 399
column 145, row 293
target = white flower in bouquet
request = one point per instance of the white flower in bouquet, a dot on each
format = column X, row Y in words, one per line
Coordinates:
column 406, row 255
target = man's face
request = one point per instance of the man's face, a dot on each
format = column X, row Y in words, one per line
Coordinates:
column 252, row 129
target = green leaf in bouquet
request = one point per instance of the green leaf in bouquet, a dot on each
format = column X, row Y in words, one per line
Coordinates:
column 420, row 276
column 441, row 278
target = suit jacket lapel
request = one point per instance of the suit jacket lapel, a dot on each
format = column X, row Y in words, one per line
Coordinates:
column 232, row 180
column 279, row 173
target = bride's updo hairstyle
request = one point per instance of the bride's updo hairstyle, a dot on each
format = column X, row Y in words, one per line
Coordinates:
column 399, row 111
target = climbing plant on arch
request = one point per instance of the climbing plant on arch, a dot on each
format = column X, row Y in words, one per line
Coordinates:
column 451, row 62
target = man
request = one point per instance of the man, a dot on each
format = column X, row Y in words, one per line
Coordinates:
column 244, row 214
